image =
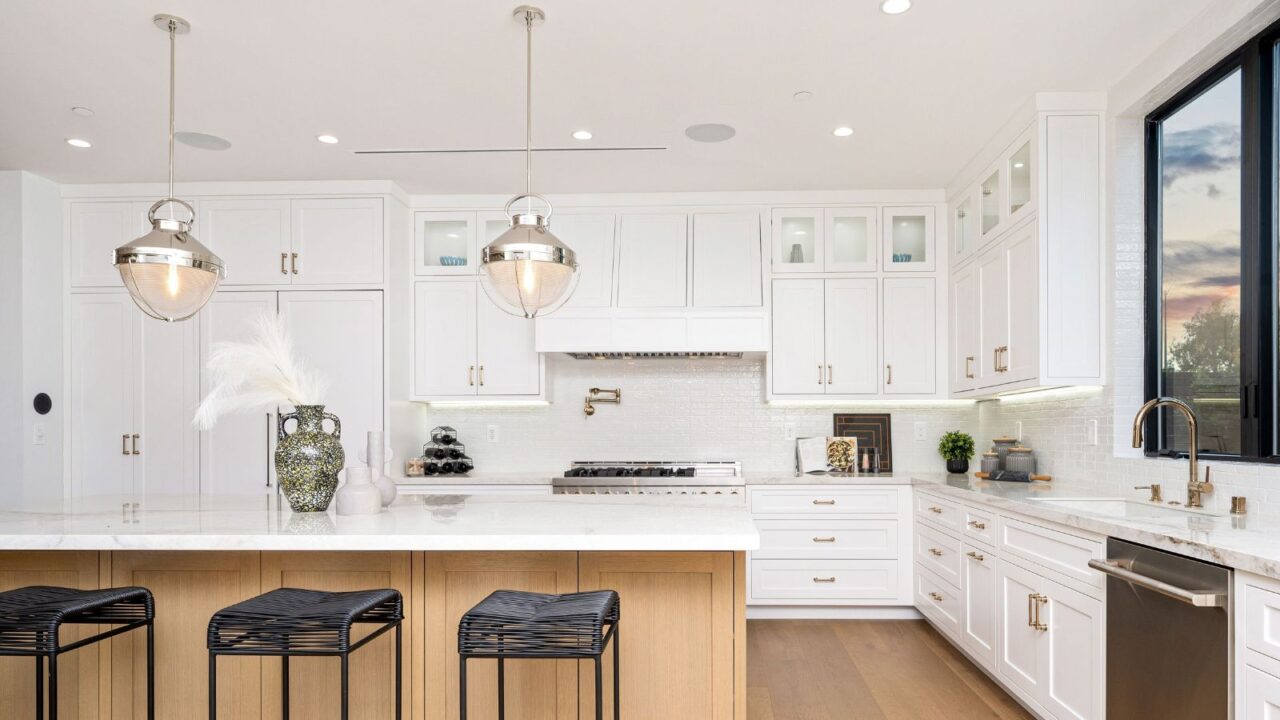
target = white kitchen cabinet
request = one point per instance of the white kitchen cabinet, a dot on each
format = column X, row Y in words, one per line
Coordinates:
column 337, row 241
column 96, row 229
column 910, row 336
column 1020, row 660
column 964, row 226
column 726, row 260
column 338, row 333
column 907, row 236
column 850, row 331
column 236, row 453
column 653, row 260
column 1021, row 360
column 981, row 604
column 966, row 324
column 591, row 237
column 444, row 243
column 251, row 236
column 1261, row 696
column 850, row 240
column 467, row 347
column 797, row 240
column 133, row 391
column 798, row 359
column 993, row 297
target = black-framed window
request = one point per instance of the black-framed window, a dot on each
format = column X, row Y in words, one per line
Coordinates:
column 1211, row 336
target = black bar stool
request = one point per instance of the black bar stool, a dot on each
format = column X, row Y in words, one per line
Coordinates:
column 31, row 616
column 290, row 621
column 523, row 625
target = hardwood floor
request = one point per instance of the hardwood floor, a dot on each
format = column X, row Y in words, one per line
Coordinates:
column 864, row 669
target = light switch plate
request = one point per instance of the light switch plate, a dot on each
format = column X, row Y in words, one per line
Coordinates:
column 38, row 434
column 492, row 433
column 920, row 429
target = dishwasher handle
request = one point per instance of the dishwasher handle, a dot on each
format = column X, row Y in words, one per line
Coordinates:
column 1199, row 598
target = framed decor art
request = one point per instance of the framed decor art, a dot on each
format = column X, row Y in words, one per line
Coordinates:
column 872, row 431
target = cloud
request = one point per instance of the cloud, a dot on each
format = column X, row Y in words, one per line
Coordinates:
column 1213, row 190
column 1198, row 151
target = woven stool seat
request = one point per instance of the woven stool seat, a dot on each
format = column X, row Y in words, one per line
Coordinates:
column 516, row 624
column 30, row 616
column 292, row 620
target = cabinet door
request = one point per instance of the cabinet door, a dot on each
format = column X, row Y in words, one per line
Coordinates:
column 251, row 237
column 993, row 293
column 506, row 363
column 97, row 228
column 104, row 377
column 653, row 261
column 966, row 328
column 798, row 240
column 910, row 336
column 852, row 313
column 166, row 401
column 236, row 454
column 339, row 334
column 314, row 682
column 1261, row 696
column 444, row 243
column 978, row 630
column 1022, row 359
column 908, row 239
column 797, row 356
column 591, row 239
column 337, row 241
column 683, row 603
column 964, row 226
column 189, row 587
column 444, row 338
column 1073, row 653
column 726, row 260
column 536, row 689
column 851, row 240
column 1019, row 659
column 991, row 205
column 1020, row 195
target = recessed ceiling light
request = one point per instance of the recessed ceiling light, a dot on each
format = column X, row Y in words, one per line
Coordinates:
column 78, row 143
column 710, row 132
column 327, row 139
column 895, row 7
column 582, row 135
column 842, row 131
column 82, row 111
column 202, row 141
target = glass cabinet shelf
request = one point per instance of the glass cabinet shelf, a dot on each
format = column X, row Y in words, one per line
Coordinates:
column 908, row 238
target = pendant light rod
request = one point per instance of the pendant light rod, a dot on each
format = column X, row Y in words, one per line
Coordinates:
column 173, row 72
column 528, row 101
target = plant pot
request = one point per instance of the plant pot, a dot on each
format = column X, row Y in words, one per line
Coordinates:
column 958, row 467
column 308, row 460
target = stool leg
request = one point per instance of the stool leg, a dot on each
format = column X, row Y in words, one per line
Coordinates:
column 617, row 688
column 151, row 671
column 53, row 686
column 284, row 686
column 39, row 687
column 502, row 690
column 398, row 689
column 599, row 692
column 345, row 698
column 213, row 686
column 462, row 687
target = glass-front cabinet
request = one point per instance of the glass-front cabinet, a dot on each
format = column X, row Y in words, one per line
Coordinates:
column 962, row 226
column 990, row 197
column 1019, row 195
column 445, row 243
column 798, row 240
column 851, row 240
column 907, row 239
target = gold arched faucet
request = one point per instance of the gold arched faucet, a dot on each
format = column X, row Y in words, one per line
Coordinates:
column 1195, row 486
column 594, row 395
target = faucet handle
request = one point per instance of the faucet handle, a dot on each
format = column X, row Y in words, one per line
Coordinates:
column 1156, row 495
column 1206, row 486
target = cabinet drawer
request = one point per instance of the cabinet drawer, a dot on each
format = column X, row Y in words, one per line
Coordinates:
column 1262, row 621
column 980, row 525
column 824, row 579
column 940, row 602
column 826, row 501
column 948, row 514
column 1060, row 552
column 850, row 539
column 939, row 553
column 1261, row 695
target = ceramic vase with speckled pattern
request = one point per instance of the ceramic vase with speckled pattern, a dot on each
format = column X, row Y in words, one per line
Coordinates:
column 308, row 459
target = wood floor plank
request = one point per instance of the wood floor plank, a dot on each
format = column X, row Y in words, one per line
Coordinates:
column 869, row 670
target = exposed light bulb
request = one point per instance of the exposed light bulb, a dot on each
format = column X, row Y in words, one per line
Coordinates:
column 171, row 282
column 528, row 278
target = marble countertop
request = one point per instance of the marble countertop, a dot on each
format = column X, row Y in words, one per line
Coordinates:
column 751, row 478
column 425, row 522
column 510, row 478
column 1244, row 542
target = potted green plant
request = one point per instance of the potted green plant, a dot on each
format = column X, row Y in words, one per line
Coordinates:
column 956, row 448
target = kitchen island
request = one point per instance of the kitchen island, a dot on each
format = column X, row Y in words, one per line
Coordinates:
column 677, row 564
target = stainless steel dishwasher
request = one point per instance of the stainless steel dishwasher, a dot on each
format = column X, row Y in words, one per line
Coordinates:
column 1168, row 634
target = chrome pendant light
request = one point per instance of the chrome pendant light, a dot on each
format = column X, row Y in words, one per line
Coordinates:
column 169, row 274
column 532, row 272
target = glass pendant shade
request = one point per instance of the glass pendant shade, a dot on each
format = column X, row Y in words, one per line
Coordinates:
column 169, row 274
column 530, row 270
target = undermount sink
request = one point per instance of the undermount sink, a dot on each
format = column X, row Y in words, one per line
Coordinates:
column 1118, row 507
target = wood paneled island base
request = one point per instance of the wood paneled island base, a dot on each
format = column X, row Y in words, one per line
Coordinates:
column 682, row 634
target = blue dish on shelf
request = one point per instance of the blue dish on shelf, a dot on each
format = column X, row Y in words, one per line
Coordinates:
column 452, row 260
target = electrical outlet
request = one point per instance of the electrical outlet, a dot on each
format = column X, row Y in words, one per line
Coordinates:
column 492, row 433
column 921, row 429
column 1091, row 432
column 789, row 431
column 1018, row 426
column 38, row 434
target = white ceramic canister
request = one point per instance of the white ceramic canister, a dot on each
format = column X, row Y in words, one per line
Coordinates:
column 377, row 454
column 358, row 495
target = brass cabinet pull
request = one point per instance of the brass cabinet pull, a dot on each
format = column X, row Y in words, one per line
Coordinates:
column 819, row 374
column 1038, row 601
column 824, row 502
column 1000, row 353
column 977, row 525
column 936, row 597
column 935, row 510
column 825, row 539
column 481, row 376
column 471, row 375
column 283, row 258
column 825, row 580
column 124, row 444
column 968, row 367
column 888, row 369
column 828, row 374
column 1031, row 601
column 976, row 556
column 995, row 359
column 293, row 263
column 935, row 552
column 136, row 451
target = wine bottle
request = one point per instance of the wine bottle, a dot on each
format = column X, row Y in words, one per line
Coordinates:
column 446, row 468
column 431, row 468
column 438, row 453
column 455, row 454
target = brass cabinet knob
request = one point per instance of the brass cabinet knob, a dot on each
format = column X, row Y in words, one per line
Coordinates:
column 825, row 579
column 936, row 597
column 935, row 552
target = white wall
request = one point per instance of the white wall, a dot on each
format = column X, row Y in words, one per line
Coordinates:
column 10, row 327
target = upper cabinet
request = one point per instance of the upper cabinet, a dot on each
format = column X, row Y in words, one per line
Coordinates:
column 853, row 239
column 251, row 236
column 1027, row 291
column 653, row 260
column 96, row 229
column 726, row 260
column 850, row 235
column 908, row 239
column 798, row 240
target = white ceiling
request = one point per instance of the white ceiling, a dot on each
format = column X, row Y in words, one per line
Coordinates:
column 922, row 90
